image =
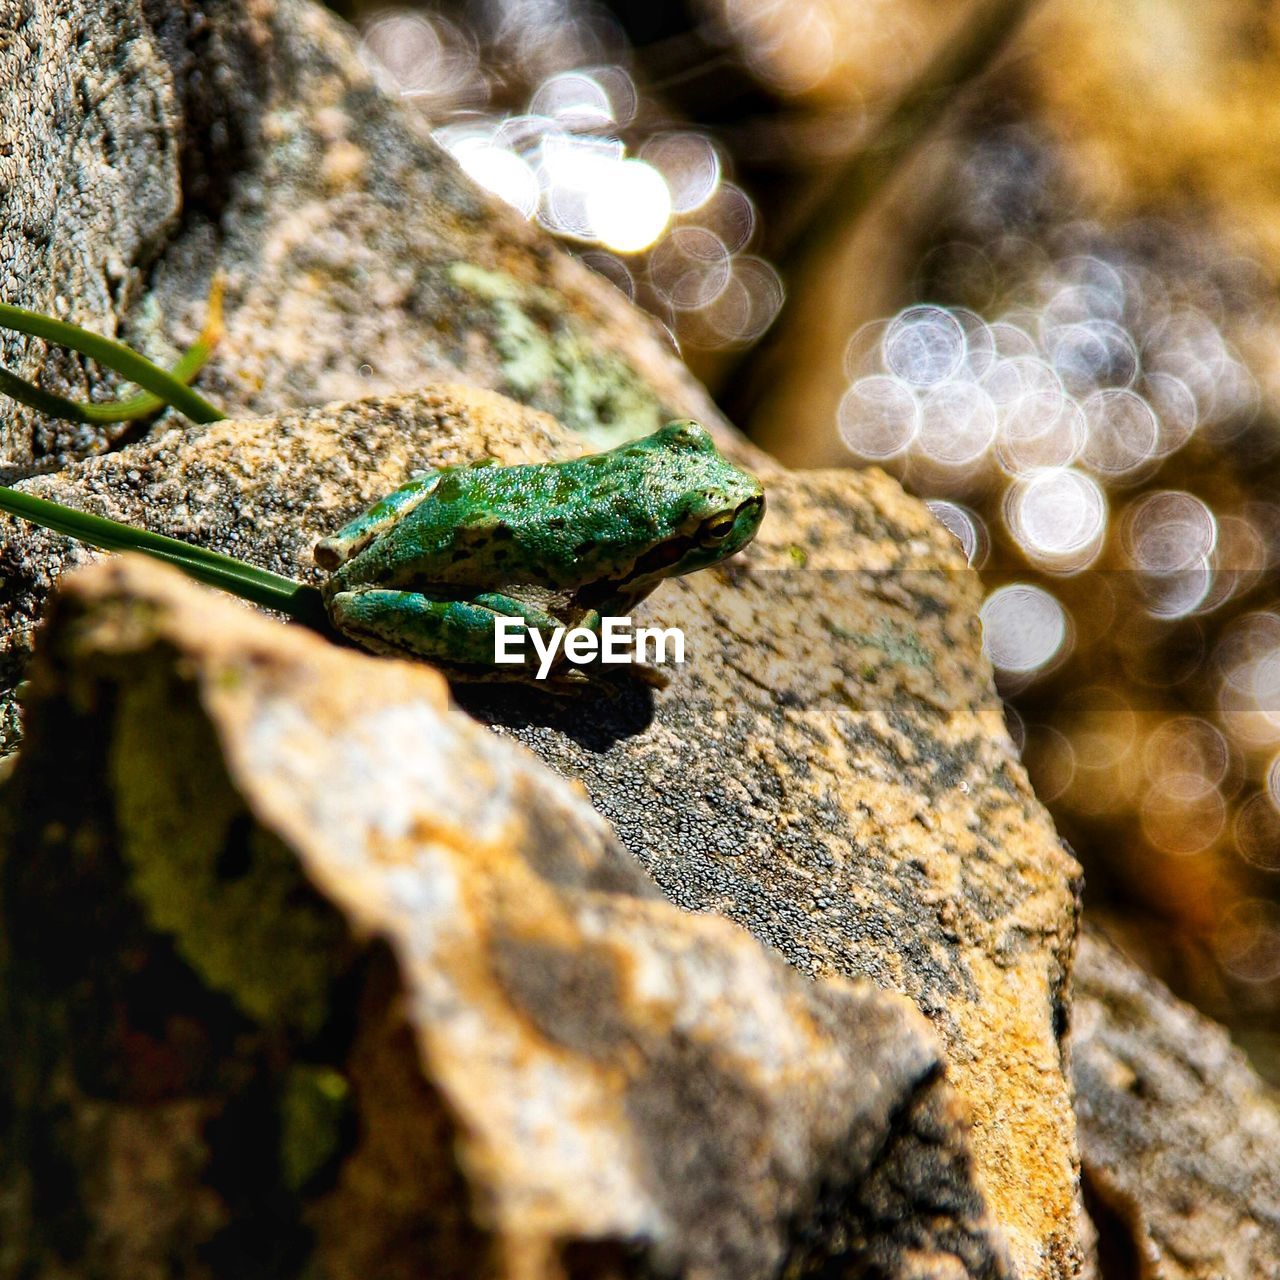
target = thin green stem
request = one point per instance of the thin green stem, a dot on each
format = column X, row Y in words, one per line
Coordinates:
column 164, row 386
column 135, row 407
column 259, row 586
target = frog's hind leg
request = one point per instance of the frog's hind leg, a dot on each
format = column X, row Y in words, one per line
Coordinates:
column 454, row 633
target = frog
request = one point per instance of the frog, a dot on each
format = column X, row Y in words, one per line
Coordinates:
column 430, row 569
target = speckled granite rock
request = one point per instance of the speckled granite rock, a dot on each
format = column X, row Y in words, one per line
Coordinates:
column 148, row 143
column 830, row 769
column 1180, row 1139
column 360, row 989
column 89, row 183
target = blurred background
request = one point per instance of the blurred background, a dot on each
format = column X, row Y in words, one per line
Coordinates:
column 1024, row 257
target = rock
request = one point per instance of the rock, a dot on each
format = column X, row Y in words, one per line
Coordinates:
column 342, row 984
column 830, row 768
column 89, row 186
column 248, row 137
column 1179, row 1137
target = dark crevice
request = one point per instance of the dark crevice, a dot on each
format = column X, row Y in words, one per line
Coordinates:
column 1119, row 1255
column 221, row 77
column 855, row 1228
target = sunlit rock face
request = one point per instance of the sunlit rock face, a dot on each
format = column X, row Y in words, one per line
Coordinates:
column 829, row 769
column 1072, row 360
column 1057, row 323
column 373, row 992
column 1162, row 1091
column 336, row 220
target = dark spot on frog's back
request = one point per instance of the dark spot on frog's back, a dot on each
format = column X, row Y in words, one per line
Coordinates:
column 449, row 489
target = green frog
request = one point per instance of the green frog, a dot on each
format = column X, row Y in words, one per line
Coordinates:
column 430, row 569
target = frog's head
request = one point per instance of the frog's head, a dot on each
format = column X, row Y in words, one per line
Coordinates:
column 709, row 509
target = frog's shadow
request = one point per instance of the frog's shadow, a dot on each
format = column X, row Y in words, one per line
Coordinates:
column 596, row 718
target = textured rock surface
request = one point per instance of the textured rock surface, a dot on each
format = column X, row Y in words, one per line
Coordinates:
column 434, row 1020
column 830, row 769
column 1180, row 1139
column 89, row 181
column 148, row 143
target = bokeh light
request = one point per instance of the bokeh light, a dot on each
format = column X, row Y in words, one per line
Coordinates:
column 629, row 208
column 501, row 171
column 1257, row 831
column 966, row 526
column 1248, row 940
column 1058, row 516
column 924, row 346
column 1179, row 824
column 1024, row 628
column 879, row 417
column 690, row 165
column 651, row 207
column 423, row 57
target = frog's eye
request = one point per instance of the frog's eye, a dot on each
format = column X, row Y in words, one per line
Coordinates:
column 717, row 529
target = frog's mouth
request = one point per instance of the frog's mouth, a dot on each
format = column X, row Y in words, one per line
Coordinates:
column 660, row 557
column 702, row 545
column 652, row 563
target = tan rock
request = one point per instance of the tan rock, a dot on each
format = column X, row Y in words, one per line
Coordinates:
column 1180, row 1138
column 830, row 769
column 344, row 985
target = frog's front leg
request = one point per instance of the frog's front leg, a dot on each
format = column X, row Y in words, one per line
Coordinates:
column 456, row 633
